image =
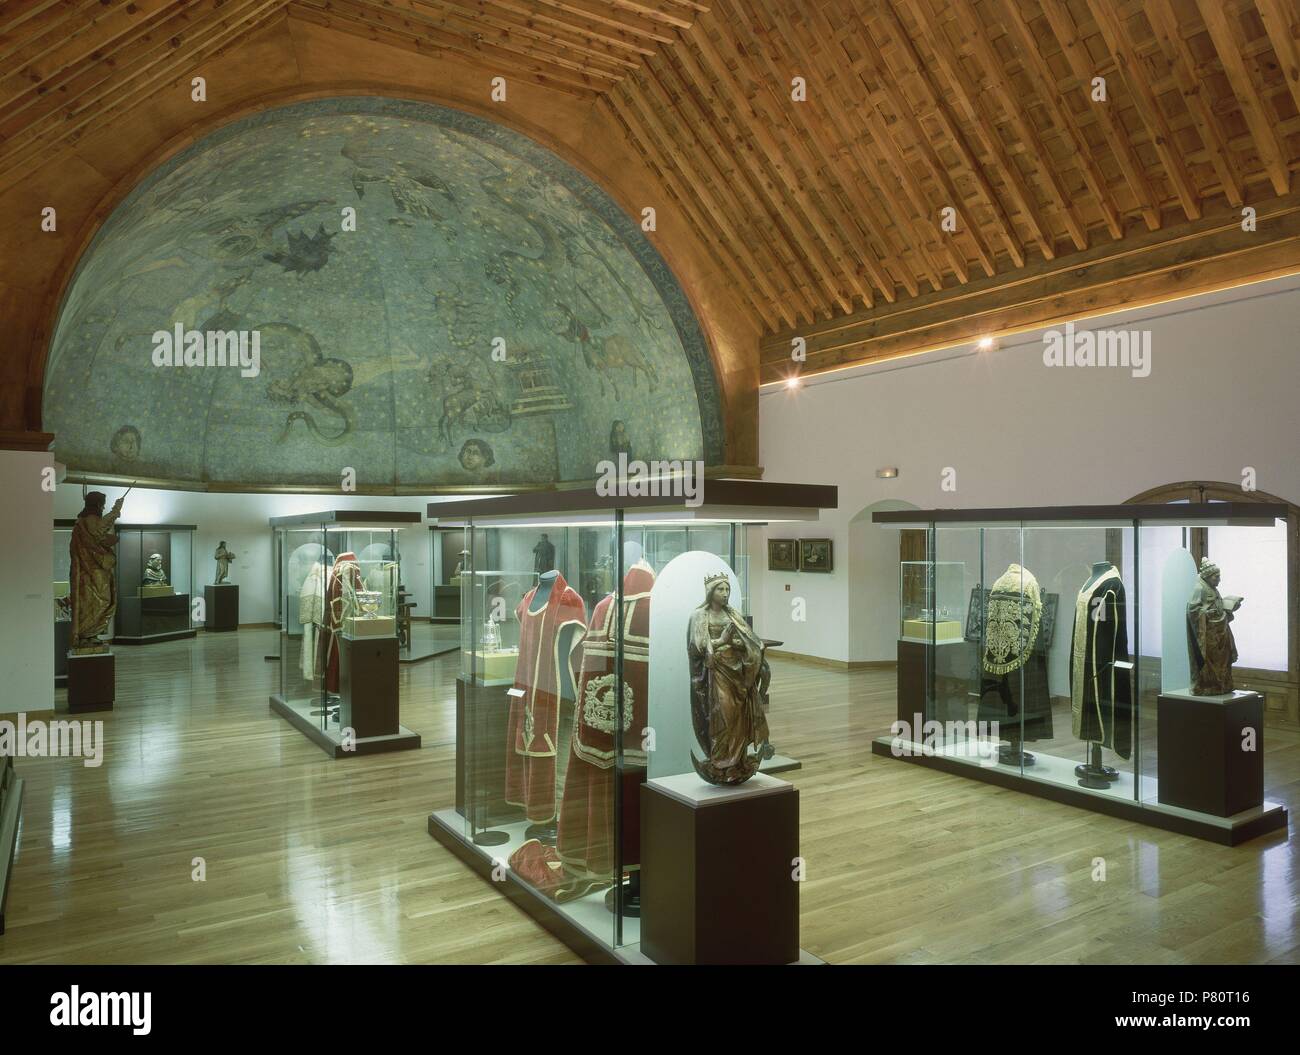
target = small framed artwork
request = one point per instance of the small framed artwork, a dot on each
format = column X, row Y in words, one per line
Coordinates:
column 782, row 554
column 816, row 554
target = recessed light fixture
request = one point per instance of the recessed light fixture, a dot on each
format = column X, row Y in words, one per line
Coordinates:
column 792, row 382
column 887, row 473
column 985, row 344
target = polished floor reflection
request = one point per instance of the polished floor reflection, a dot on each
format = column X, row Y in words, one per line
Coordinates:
column 311, row 860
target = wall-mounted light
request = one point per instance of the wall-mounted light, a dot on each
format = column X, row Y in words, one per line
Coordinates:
column 887, row 473
column 792, row 382
column 985, row 343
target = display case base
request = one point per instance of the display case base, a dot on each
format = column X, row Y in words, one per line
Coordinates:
column 92, row 683
column 331, row 742
column 1115, row 800
column 584, row 926
column 62, row 639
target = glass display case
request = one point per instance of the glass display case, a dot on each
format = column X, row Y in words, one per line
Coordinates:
column 155, row 575
column 930, row 600
column 62, row 613
column 575, row 685
column 1064, row 669
column 340, row 591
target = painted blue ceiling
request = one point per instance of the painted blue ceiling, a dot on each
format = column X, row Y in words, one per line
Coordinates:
column 377, row 345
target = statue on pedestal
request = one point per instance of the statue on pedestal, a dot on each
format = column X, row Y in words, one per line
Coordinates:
column 223, row 557
column 1210, row 644
column 92, row 586
column 729, row 679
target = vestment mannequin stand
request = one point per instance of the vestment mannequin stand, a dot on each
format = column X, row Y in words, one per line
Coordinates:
column 547, row 831
column 1092, row 774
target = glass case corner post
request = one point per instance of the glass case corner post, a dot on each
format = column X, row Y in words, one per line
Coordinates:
column 476, row 695
column 621, row 571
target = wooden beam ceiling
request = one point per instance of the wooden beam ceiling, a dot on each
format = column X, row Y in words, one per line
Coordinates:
column 833, row 216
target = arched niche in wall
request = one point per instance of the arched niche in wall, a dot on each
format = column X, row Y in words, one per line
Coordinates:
column 1280, row 687
column 493, row 319
column 874, row 553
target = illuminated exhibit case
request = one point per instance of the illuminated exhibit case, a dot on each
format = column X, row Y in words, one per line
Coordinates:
column 1072, row 653
column 575, row 736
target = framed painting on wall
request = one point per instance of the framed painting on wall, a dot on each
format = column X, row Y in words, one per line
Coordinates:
column 782, row 554
column 816, row 554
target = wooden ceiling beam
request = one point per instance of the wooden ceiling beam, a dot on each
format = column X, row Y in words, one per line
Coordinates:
column 739, row 210
column 19, row 15
column 114, row 47
column 765, row 150
column 779, row 103
column 834, row 242
column 1117, row 41
column 1176, row 262
column 1084, row 69
column 679, row 74
column 991, row 65
column 922, row 212
column 533, row 12
column 1025, row 47
column 850, row 143
column 1195, row 93
column 681, row 77
column 887, row 82
column 1282, row 26
column 1225, row 34
column 553, row 40
column 95, row 91
column 446, row 28
column 345, row 14
column 600, row 12
column 55, row 28
column 657, row 144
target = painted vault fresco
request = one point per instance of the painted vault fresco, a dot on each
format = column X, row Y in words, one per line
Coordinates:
column 376, row 345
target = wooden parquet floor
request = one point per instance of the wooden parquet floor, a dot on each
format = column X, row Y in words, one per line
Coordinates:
column 314, row 861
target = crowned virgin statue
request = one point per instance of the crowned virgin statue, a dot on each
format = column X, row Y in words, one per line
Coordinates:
column 729, row 679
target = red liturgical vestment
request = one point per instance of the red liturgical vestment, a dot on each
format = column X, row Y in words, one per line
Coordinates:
column 542, row 670
column 586, row 831
column 345, row 581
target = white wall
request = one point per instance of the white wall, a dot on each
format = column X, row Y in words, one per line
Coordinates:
column 243, row 521
column 1221, row 396
column 27, row 614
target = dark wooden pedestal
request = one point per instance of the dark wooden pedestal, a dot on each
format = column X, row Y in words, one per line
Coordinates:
column 62, row 639
column 717, row 867
column 368, row 685
column 221, row 607
column 912, row 660
column 482, row 718
column 91, row 682
column 1201, row 765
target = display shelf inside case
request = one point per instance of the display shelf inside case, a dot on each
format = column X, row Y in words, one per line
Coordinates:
column 574, row 650
column 1070, row 673
column 930, row 600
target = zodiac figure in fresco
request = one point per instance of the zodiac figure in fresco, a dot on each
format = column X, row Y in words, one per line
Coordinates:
column 413, row 190
column 469, row 405
column 312, row 379
column 604, row 355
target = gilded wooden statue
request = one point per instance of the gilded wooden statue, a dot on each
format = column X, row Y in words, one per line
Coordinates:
column 729, row 679
column 92, row 586
column 1210, row 644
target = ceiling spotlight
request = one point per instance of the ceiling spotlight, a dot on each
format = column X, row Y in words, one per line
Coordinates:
column 792, row 382
column 985, row 344
column 888, row 473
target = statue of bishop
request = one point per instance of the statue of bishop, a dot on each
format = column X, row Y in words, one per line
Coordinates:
column 92, row 587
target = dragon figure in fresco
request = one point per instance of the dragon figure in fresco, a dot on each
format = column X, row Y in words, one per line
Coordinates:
column 312, row 380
